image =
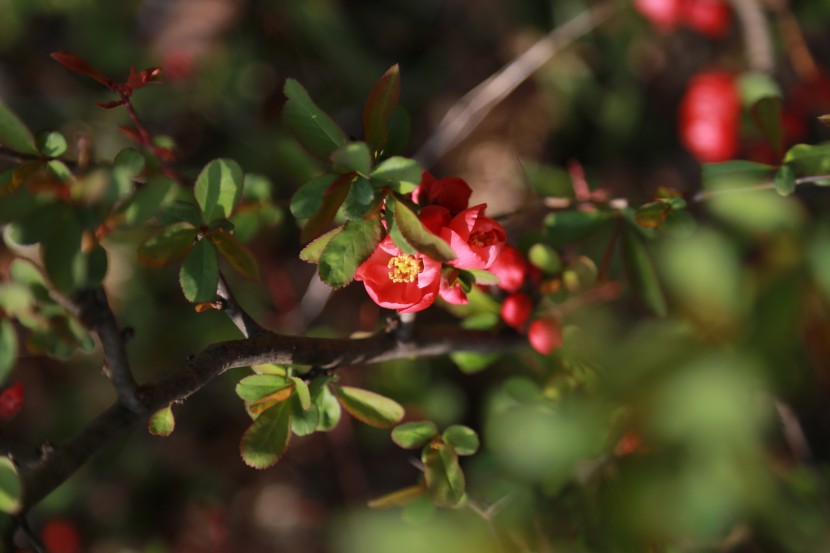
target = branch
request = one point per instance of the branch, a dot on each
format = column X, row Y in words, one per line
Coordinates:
column 757, row 39
column 43, row 476
column 465, row 115
column 244, row 322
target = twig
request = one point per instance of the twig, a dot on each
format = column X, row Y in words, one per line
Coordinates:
column 244, row 322
column 473, row 107
column 800, row 56
column 40, row 478
column 757, row 40
column 19, row 157
column 96, row 314
column 23, row 524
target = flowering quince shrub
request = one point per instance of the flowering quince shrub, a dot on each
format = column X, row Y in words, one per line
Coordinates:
column 656, row 396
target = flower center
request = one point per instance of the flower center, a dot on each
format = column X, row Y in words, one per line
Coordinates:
column 404, row 268
column 481, row 239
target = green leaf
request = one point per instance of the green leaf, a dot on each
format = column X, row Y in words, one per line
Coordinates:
column 418, row 236
column 130, row 161
column 470, row 363
column 785, row 180
column 353, row 157
column 347, row 250
column 162, row 422
column 11, row 487
column 62, row 257
column 218, row 189
column 485, row 278
column 149, row 200
column 680, row 223
column 308, row 199
column 237, row 253
column 410, row 435
column 641, row 273
column 310, row 125
column 315, row 249
column 14, row 134
column 8, row 348
column 51, row 144
column 169, row 246
column 443, row 475
column 399, row 129
column 735, row 174
column 333, row 198
column 373, row 409
column 398, row 498
column 267, row 438
column 395, row 232
column 301, row 391
column 807, row 159
column 401, row 174
column 199, row 274
column 382, row 100
column 304, row 421
column 544, row 258
column 257, row 386
column 567, row 227
column 463, row 439
column 181, row 210
column 652, row 214
column 327, row 405
column 359, row 199
column 481, row 321
column 766, row 113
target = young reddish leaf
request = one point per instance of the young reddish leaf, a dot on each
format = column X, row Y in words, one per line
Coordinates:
column 237, row 253
column 11, row 401
column 169, row 246
column 162, row 422
column 378, row 109
column 203, row 306
column 642, row 276
column 79, row 65
column 333, row 198
column 112, row 105
column 310, row 125
column 14, row 134
column 652, row 214
column 373, row 409
column 347, row 250
column 417, row 235
column 218, row 189
column 139, row 79
column 267, row 438
column 11, row 487
column 398, row 498
column 463, row 439
column 443, row 475
column 315, row 249
column 410, row 435
column 767, row 113
column 8, row 346
column 199, row 274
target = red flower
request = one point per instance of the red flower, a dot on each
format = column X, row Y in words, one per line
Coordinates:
column 663, row 14
column 396, row 280
column 11, row 401
column 545, row 335
column 452, row 193
column 476, row 240
column 710, row 117
column 708, row 17
column 516, row 310
column 451, row 291
column 511, row 268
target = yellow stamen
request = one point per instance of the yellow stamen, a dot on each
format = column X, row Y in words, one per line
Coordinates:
column 404, row 268
column 480, row 239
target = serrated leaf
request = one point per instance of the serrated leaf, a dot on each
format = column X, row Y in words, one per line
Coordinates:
column 333, row 198
column 315, row 249
column 401, row 174
column 169, row 246
column 443, row 475
column 410, row 435
column 162, row 422
column 8, row 348
column 255, row 408
column 398, row 498
column 641, row 273
column 382, row 100
column 652, row 214
column 14, row 134
column 199, row 274
column 353, row 157
column 180, row 211
column 308, row 199
column 302, row 391
column 395, row 232
column 309, row 124
column 373, row 409
column 347, row 250
column 237, row 253
column 303, row 421
column 257, row 386
column 51, row 144
column 359, row 200
column 785, row 180
column 149, row 200
column 418, row 236
column 766, row 113
column 218, row 189
column 463, row 439
column 11, row 487
column 326, row 403
column 266, row 439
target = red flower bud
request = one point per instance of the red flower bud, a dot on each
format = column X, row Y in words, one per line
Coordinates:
column 663, row 14
column 511, row 268
column 516, row 309
column 708, row 17
column 452, row 193
column 709, row 117
column 11, row 401
column 545, row 335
